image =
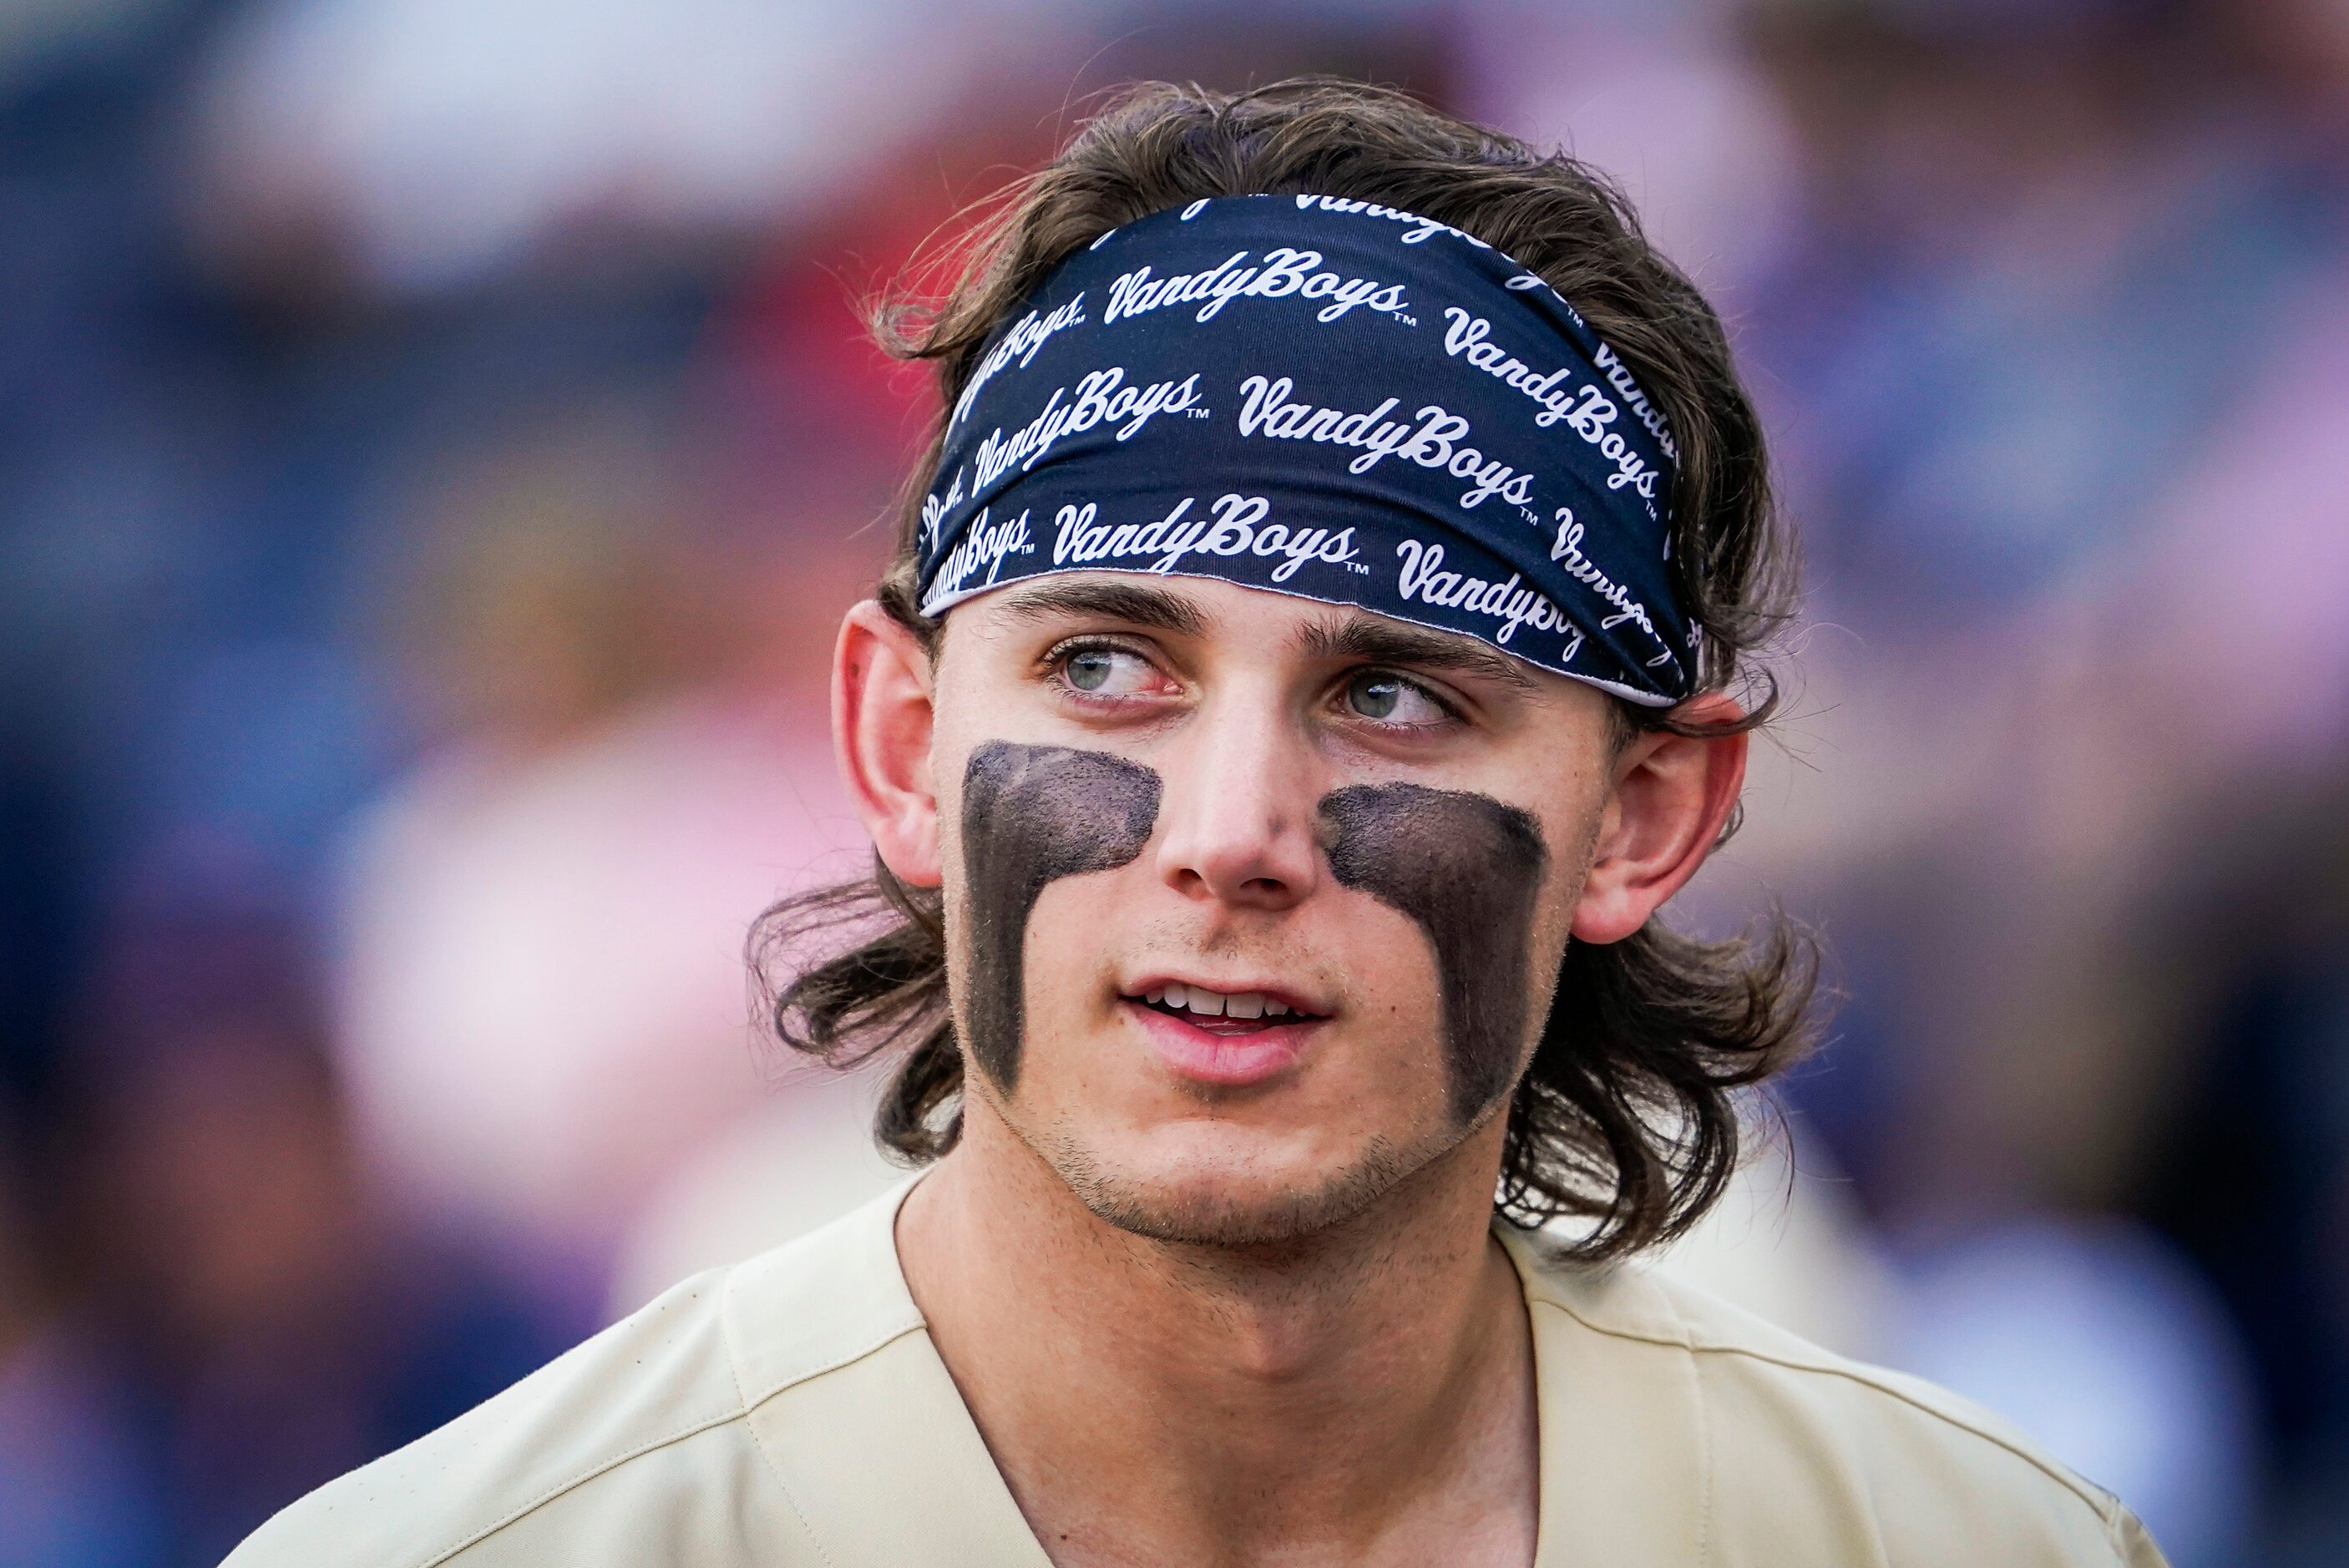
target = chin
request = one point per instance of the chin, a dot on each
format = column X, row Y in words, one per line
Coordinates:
column 1209, row 1185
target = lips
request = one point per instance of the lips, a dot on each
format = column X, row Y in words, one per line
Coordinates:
column 1223, row 1037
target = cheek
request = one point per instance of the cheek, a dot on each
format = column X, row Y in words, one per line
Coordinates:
column 1394, row 1056
column 1080, row 1066
column 1032, row 815
column 1075, row 933
column 1552, row 930
column 1468, row 871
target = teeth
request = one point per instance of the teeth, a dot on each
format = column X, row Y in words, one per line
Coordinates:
column 1216, row 1003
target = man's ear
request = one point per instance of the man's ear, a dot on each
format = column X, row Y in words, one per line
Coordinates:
column 881, row 724
column 1671, row 797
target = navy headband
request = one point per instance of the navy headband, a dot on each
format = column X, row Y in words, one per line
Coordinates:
column 1328, row 399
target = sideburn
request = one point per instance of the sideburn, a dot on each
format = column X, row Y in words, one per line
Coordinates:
column 1030, row 816
column 1465, row 868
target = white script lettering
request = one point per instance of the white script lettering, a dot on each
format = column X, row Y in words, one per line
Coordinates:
column 1508, row 601
column 1435, row 441
column 1282, row 273
column 1101, row 396
column 1469, row 338
column 1619, row 376
column 1417, row 228
column 935, row 508
column 1030, row 333
column 1235, row 526
column 1568, row 548
column 982, row 547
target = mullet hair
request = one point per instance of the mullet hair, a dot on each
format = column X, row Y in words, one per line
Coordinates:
column 1625, row 1124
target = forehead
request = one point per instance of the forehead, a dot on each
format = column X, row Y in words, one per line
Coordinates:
column 1242, row 621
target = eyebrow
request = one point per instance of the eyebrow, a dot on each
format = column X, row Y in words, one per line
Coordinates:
column 1370, row 638
column 1384, row 642
column 1116, row 600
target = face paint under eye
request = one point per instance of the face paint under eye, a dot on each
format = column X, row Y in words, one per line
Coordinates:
column 1031, row 815
column 1465, row 868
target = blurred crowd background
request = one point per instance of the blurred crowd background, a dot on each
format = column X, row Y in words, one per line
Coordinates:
column 436, row 442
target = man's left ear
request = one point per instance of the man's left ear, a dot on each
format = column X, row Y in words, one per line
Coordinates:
column 1672, row 796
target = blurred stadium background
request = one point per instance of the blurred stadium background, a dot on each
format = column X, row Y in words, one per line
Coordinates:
column 435, row 445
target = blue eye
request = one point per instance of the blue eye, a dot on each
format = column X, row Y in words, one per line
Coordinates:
column 1104, row 670
column 1387, row 698
column 1374, row 697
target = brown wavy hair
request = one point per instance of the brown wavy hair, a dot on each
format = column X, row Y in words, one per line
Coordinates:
column 1626, row 1122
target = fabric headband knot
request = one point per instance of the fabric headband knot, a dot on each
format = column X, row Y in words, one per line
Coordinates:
column 1328, row 399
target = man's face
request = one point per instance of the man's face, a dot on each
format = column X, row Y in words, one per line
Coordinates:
column 1254, row 904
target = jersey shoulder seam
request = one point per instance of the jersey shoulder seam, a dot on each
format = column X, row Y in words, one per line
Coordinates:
column 600, row 1467
column 782, row 1482
column 1704, row 1443
column 738, row 1411
column 2098, row 1502
column 782, row 1383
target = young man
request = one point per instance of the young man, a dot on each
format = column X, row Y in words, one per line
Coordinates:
column 1308, row 671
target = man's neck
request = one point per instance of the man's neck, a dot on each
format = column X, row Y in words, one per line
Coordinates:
column 1364, row 1397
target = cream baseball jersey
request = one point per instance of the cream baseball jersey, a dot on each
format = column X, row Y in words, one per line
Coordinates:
column 792, row 1411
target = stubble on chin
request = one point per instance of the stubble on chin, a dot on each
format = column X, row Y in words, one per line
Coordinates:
column 1201, row 1212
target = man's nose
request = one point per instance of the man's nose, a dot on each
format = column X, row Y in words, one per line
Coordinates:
column 1238, row 807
